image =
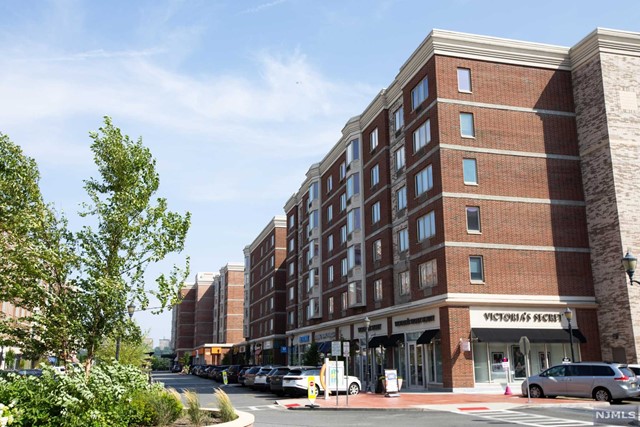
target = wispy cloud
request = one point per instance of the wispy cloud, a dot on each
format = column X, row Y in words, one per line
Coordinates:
column 263, row 6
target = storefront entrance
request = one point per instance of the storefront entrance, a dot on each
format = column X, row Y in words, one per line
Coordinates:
column 424, row 365
column 416, row 360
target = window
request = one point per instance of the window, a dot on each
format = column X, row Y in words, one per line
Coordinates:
column 344, row 301
column 354, row 257
column 313, row 192
column 343, row 202
column 292, row 245
column 291, row 269
column 426, row 226
column 343, row 170
column 476, row 269
column 353, row 185
column 329, row 213
column 353, row 220
column 313, row 249
column 466, row 125
column 424, row 180
column 291, row 317
column 428, row 274
column 377, row 250
column 330, row 243
column 405, row 286
column 375, row 175
column 373, row 139
column 271, row 303
column 399, row 156
column 291, row 293
column 343, row 267
column 469, row 170
column 330, row 305
column 473, row 218
column 343, row 234
column 377, row 290
column 420, row 93
column 422, row 136
column 375, row 213
column 399, row 118
column 329, row 183
column 403, row 240
column 401, row 198
column 312, row 279
column 464, row 80
column 292, row 221
column 271, row 261
column 272, row 240
column 330, row 274
column 355, row 293
column 353, row 151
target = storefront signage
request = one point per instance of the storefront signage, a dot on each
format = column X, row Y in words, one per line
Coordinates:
column 523, row 317
column 268, row 345
column 416, row 320
column 325, row 336
column 518, row 318
column 376, row 327
column 305, row 339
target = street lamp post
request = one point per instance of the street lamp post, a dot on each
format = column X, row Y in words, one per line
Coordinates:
column 569, row 315
column 367, row 323
column 130, row 310
column 629, row 262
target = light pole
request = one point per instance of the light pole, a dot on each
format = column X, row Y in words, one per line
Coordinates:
column 367, row 323
column 629, row 262
column 569, row 315
column 130, row 310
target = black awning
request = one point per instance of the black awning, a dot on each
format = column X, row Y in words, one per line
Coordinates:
column 324, row 347
column 534, row 335
column 394, row 340
column 377, row 341
column 428, row 336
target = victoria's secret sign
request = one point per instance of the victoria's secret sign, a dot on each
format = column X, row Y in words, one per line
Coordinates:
column 523, row 317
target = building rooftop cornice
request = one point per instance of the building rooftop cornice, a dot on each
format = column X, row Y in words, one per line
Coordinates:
column 278, row 221
column 607, row 41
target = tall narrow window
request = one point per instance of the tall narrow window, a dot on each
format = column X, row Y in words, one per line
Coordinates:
column 403, row 240
column 344, row 267
column 344, row 301
column 377, row 250
column 353, row 151
column 398, row 117
column 470, row 171
column 422, row 136
column 424, row 180
column 330, row 243
column 467, row 129
column 329, row 183
column 420, row 93
column 329, row 213
column 399, row 155
column 343, row 202
column 375, row 213
column 353, row 185
column 330, row 305
column 405, row 286
column 401, row 198
column 343, row 234
column 375, row 175
column 464, row 80
column 377, row 290
column 476, row 269
column 330, row 274
column 428, row 274
column 426, row 226
column 343, row 170
column 373, row 139
column 473, row 219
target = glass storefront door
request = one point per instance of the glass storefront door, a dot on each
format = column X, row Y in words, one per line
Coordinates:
column 416, row 362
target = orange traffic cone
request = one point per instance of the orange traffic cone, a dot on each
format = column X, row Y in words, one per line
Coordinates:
column 507, row 391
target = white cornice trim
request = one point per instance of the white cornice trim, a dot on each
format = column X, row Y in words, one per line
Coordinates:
column 278, row 221
column 603, row 40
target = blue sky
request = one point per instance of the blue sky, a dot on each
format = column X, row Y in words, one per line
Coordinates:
column 234, row 98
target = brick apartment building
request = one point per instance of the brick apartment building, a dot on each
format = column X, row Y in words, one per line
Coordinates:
column 209, row 319
column 489, row 188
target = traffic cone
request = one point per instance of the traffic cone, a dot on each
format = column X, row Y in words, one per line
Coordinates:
column 507, row 391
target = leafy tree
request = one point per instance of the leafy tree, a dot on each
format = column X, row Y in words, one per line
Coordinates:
column 132, row 232
column 133, row 350
column 311, row 357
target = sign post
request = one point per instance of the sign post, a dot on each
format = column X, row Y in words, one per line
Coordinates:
column 525, row 347
column 345, row 352
column 336, row 350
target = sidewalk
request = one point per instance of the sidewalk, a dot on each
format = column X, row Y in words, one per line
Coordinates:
column 432, row 401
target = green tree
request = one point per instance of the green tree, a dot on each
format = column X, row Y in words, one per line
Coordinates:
column 311, row 357
column 132, row 232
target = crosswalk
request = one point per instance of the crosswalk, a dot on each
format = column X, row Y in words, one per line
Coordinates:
column 513, row 417
column 259, row 408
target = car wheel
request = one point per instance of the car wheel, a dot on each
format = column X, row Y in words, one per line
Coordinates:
column 535, row 391
column 354, row 389
column 602, row 395
column 317, row 390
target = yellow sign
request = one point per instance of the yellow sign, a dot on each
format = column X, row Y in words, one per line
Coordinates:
column 312, row 389
column 215, row 350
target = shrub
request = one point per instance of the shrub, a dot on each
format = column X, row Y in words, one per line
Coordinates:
column 226, row 412
column 167, row 405
column 196, row 415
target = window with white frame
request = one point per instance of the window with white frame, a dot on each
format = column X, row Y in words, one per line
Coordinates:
column 375, row 175
column 353, row 220
column 329, row 183
column 272, row 240
column 467, row 128
column 375, row 213
column 330, row 243
column 377, row 290
column 313, row 249
column 424, row 180
column 377, row 250
column 422, row 136
column 476, row 269
column 313, row 191
column 428, row 274
column 343, row 202
column 343, row 234
column 312, row 279
column 291, row 269
column 419, row 93
column 426, row 226
column 292, row 244
column 343, row 170
column 353, row 185
column 401, row 198
column 329, row 213
column 355, row 293
column 343, row 267
column 330, row 305
column 330, row 274
column 354, row 257
column 403, row 240
column 353, row 151
column 344, row 301
column 473, row 219
column 373, row 139
column 291, row 293
column 470, row 171
column 398, row 117
column 464, row 80
column 405, row 285
column 272, row 261
column 292, row 221
column 399, row 156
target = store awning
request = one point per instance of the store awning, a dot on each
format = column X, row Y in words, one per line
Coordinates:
column 324, row 347
column 378, row 341
column 534, row 335
column 428, row 336
column 394, row 340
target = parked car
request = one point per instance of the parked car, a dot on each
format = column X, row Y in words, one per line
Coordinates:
column 250, row 376
column 601, row 381
column 261, row 381
column 195, row 370
column 295, row 382
column 277, row 375
column 233, row 371
column 30, row 372
column 204, row 372
column 216, row 373
column 241, row 375
column 176, row 367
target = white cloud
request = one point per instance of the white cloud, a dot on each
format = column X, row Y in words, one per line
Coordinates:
column 263, row 6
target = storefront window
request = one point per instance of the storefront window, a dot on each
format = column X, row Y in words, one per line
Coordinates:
column 480, row 362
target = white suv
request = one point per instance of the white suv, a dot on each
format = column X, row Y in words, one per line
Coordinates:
column 296, row 381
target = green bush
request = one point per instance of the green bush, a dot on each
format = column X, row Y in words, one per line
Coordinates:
column 167, row 406
column 226, row 411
